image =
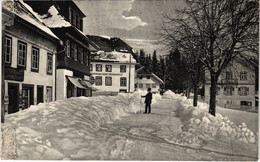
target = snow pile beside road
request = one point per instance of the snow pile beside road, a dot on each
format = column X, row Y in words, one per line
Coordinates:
column 197, row 122
column 55, row 130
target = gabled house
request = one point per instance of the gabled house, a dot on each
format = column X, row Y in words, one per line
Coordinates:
column 65, row 19
column 145, row 79
column 29, row 54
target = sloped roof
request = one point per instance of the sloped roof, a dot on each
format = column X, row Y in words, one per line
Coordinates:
column 26, row 13
column 113, row 56
column 144, row 71
column 111, row 44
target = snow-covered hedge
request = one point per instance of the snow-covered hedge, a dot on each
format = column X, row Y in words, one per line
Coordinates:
column 197, row 122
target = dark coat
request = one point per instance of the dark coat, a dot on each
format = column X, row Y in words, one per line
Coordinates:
column 148, row 98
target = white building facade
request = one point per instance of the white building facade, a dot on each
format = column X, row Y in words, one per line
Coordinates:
column 235, row 88
column 29, row 58
column 112, row 75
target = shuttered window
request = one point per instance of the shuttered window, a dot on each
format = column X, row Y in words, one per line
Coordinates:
column 243, row 91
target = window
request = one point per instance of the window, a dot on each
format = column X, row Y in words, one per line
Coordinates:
column 123, row 81
column 8, row 50
column 71, row 16
column 22, row 52
column 91, row 67
column 49, row 63
column 98, row 67
column 80, row 56
column 229, row 75
column 108, row 68
column 85, row 58
column 218, row 90
column 98, row 80
column 35, row 58
column 147, row 77
column 153, row 85
column 229, row 91
column 72, row 49
column 68, row 48
column 243, row 75
column 140, row 85
column 243, row 91
column 48, row 94
column 77, row 20
column 108, row 81
column 75, row 52
column 148, row 86
column 122, row 68
column 140, row 77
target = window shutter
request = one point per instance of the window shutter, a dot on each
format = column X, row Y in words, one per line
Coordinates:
column 239, row 91
column 233, row 90
column 247, row 91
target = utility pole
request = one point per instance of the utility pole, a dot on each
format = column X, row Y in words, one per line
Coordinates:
column 129, row 73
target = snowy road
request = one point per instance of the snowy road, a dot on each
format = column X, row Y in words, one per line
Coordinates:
column 110, row 128
column 144, row 137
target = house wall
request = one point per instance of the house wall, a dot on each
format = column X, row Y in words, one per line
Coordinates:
column 235, row 99
column 62, row 81
column 144, row 81
column 18, row 32
column 116, row 75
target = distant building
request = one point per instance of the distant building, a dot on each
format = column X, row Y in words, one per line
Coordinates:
column 235, row 87
column 145, row 79
column 65, row 19
column 113, row 72
column 29, row 56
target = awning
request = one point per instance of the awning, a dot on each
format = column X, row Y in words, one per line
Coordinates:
column 76, row 82
column 88, row 85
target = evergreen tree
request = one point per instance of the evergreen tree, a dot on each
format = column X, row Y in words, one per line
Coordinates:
column 142, row 57
column 148, row 62
column 155, row 63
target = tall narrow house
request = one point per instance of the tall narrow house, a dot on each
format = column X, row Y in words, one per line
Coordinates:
column 29, row 53
column 65, row 19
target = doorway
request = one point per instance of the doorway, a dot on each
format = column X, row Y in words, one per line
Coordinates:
column 39, row 94
column 13, row 93
column 28, row 95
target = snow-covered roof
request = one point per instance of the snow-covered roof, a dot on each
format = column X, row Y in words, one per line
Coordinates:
column 53, row 19
column 143, row 71
column 114, row 56
column 32, row 17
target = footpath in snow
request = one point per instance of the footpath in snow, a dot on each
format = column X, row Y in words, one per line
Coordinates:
column 112, row 128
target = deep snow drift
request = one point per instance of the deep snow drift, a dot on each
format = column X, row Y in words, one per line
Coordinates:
column 198, row 123
column 72, row 128
column 65, row 124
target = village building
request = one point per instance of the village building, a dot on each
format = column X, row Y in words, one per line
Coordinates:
column 113, row 72
column 145, row 79
column 29, row 54
column 235, row 87
column 65, row 19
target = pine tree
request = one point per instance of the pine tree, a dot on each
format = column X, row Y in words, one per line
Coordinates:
column 142, row 57
column 155, row 63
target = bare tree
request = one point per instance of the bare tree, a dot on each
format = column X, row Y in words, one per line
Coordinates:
column 220, row 30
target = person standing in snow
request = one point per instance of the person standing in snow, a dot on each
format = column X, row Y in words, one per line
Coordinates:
column 148, row 101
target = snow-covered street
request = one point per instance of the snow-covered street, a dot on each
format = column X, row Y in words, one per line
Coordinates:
column 112, row 128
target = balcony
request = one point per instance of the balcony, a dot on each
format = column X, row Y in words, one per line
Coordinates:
column 229, row 81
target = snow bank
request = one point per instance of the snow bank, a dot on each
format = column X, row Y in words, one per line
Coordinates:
column 55, row 130
column 197, row 122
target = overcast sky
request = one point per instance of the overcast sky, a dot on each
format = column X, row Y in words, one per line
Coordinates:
column 134, row 21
